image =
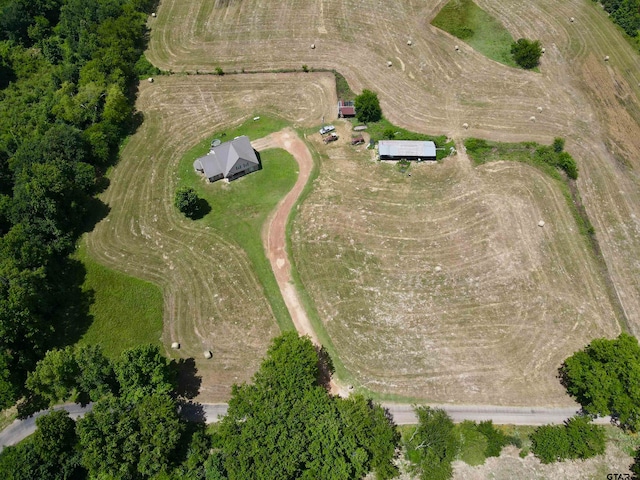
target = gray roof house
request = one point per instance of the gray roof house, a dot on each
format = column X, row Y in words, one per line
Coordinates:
column 229, row 160
column 406, row 149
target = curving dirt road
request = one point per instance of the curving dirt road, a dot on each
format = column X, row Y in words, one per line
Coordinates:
column 274, row 232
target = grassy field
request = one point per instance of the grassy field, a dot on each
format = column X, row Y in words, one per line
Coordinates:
column 240, row 208
column 465, row 20
column 419, row 279
column 433, row 89
column 213, row 292
column 126, row 311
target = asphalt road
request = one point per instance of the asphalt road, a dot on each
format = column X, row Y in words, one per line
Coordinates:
column 402, row 415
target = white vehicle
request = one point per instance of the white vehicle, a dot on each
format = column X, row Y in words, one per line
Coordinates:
column 326, row 129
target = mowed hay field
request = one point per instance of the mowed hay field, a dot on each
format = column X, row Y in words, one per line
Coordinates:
column 442, row 285
column 432, row 88
column 212, row 297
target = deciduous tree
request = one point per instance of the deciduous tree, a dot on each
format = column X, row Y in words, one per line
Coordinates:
column 368, row 107
column 526, row 53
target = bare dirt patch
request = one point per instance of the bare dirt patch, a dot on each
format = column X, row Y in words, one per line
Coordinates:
column 212, row 299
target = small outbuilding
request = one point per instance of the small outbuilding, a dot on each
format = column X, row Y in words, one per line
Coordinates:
column 346, row 109
column 418, row 150
column 229, row 160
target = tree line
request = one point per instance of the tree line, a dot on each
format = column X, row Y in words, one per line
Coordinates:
column 68, row 74
column 285, row 424
column 625, row 13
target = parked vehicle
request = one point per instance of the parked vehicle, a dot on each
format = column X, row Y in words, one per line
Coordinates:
column 357, row 140
column 326, row 129
column 330, row 138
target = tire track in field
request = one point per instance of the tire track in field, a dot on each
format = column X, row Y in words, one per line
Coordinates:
column 212, row 298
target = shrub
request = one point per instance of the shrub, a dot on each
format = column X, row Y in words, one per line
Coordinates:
column 526, row 53
column 305, row 68
column 219, row 71
column 558, row 144
column 495, row 438
column 577, row 438
column 568, row 164
column 389, row 133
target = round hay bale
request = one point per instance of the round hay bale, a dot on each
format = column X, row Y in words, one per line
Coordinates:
column 409, row 42
column 150, row 79
column 313, row 45
column 606, row 58
column 154, row 15
column 389, row 64
column 457, row 48
column 438, row 268
column 572, row 19
column 532, row 118
column 208, row 354
column 544, row 49
column 541, row 223
column 175, row 346
column 465, row 126
column 539, row 109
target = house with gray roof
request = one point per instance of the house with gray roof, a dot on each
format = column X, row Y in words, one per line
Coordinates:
column 406, row 149
column 229, row 160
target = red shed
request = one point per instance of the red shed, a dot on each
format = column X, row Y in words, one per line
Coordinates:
column 346, row 109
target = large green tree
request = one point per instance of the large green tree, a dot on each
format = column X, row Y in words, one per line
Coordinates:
column 285, row 425
column 368, row 107
column 433, row 444
column 604, row 378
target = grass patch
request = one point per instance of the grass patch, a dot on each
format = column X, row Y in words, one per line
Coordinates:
column 8, row 416
column 240, row 208
column 483, row 151
column 126, row 311
column 465, row 20
column 380, row 131
column 342, row 88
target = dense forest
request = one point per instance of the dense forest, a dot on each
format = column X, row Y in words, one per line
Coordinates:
column 625, row 13
column 68, row 76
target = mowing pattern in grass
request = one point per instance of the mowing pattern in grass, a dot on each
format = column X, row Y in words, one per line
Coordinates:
column 213, row 296
column 126, row 311
column 465, row 20
column 441, row 285
column 240, row 208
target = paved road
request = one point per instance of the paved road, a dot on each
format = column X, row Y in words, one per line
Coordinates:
column 402, row 415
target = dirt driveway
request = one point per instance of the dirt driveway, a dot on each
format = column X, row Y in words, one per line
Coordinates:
column 274, row 231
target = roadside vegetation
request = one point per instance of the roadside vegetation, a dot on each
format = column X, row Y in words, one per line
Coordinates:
column 465, row 20
column 282, row 425
column 239, row 209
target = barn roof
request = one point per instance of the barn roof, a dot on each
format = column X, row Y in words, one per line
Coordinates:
column 406, row 148
column 347, row 110
column 222, row 159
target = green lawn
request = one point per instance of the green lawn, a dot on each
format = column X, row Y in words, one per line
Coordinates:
column 126, row 311
column 465, row 20
column 240, row 208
